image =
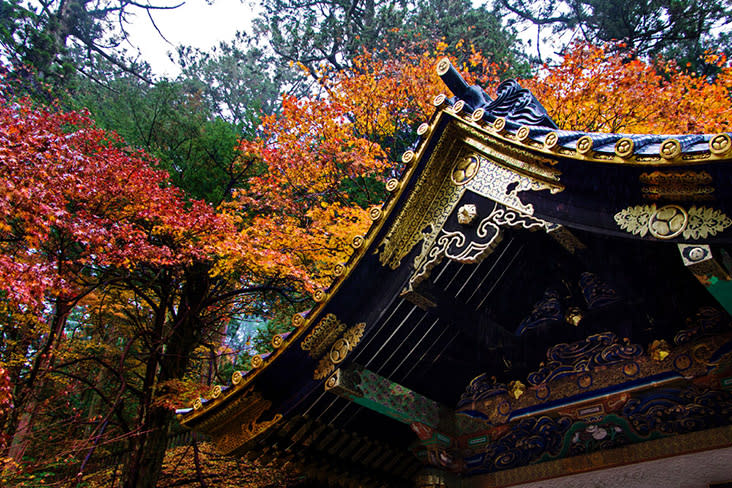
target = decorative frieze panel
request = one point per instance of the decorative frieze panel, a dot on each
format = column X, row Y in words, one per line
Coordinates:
column 471, row 244
column 672, row 221
column 330, row 342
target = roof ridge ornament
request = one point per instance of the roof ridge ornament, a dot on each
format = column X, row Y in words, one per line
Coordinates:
column 513, row 102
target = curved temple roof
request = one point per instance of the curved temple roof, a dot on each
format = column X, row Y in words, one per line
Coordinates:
column 509, row 153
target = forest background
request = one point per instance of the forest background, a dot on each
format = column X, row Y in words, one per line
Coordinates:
column 157, row 232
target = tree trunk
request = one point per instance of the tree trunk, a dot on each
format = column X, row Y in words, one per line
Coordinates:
column 27, row 403
column 144, row 464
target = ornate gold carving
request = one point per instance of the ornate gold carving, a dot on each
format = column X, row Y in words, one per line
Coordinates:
column 516, row 389
column 427, row 207
column 624, row 148
column 671, row 221
column 216, row 391
column 339, row 269
column 493, row 181
column 323, row 369
column 233, row 431
column 704, row 222
column 339, row 351
column 332, row 381
column 668, row 222
column 237, row 377
column 298, row 319
column 197, row 404
column 659, row 350
column 477, row 115
column 574, row 316
column 670, row 149
column 551, row 140
column 677, row 185
column 355, row 333
column 720, row 144
column 319, row 295
column 499, row 125
column 457, row 246
column 466, row 214
column 584, row 144
column 439, row 100
column 523, row 133
column 323, row 335
column 566, row 239
column 357, row 242
column 465, row 170
column 408, row 156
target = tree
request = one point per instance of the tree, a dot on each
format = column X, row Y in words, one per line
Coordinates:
column 49, row 41
column 681, row 30
column 334, row 32
column 598, row 88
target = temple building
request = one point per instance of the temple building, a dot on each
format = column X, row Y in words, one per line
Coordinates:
column 531, row 307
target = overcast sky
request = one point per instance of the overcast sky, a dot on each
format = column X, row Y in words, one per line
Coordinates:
column 203, row 26
column 195, row 23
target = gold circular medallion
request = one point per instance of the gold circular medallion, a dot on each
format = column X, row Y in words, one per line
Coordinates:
column 339, row 351
column 339, row 269
column 624, row 147
column 392, row 184
column 439, row 99
column 197, row 404
column 257, row 361
column 720, row 144
column 523, row 133
column 422, row 129
column 584, row 144
column 407, row 157
column 443, row 66
column 236, row 377
column 668, row 222
column 459, row 106
column 551, row 140
column 357, row 242
column 670, row 149
column 465, row 170
column 319, row 295
column 375, row 213
column 499, row 125
column 477, row 115
column 277, row 341
column 216, row 391
column 298, row 320
column 331, row 383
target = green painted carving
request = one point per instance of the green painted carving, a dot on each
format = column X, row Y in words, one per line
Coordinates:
column 384, row 396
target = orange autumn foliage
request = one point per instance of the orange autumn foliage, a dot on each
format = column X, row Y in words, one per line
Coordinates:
column 323, row 153
column 311, row 197
column 595, row 88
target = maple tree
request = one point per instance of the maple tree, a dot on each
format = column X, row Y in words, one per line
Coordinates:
column 598, row 88
column 117, row 289
column 88, row 220
column 325, row 158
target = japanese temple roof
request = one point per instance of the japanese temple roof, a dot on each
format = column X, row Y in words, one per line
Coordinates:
column 389, row 318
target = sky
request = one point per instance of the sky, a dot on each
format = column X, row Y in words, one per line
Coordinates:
column 195, row 24
column 198, row 24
